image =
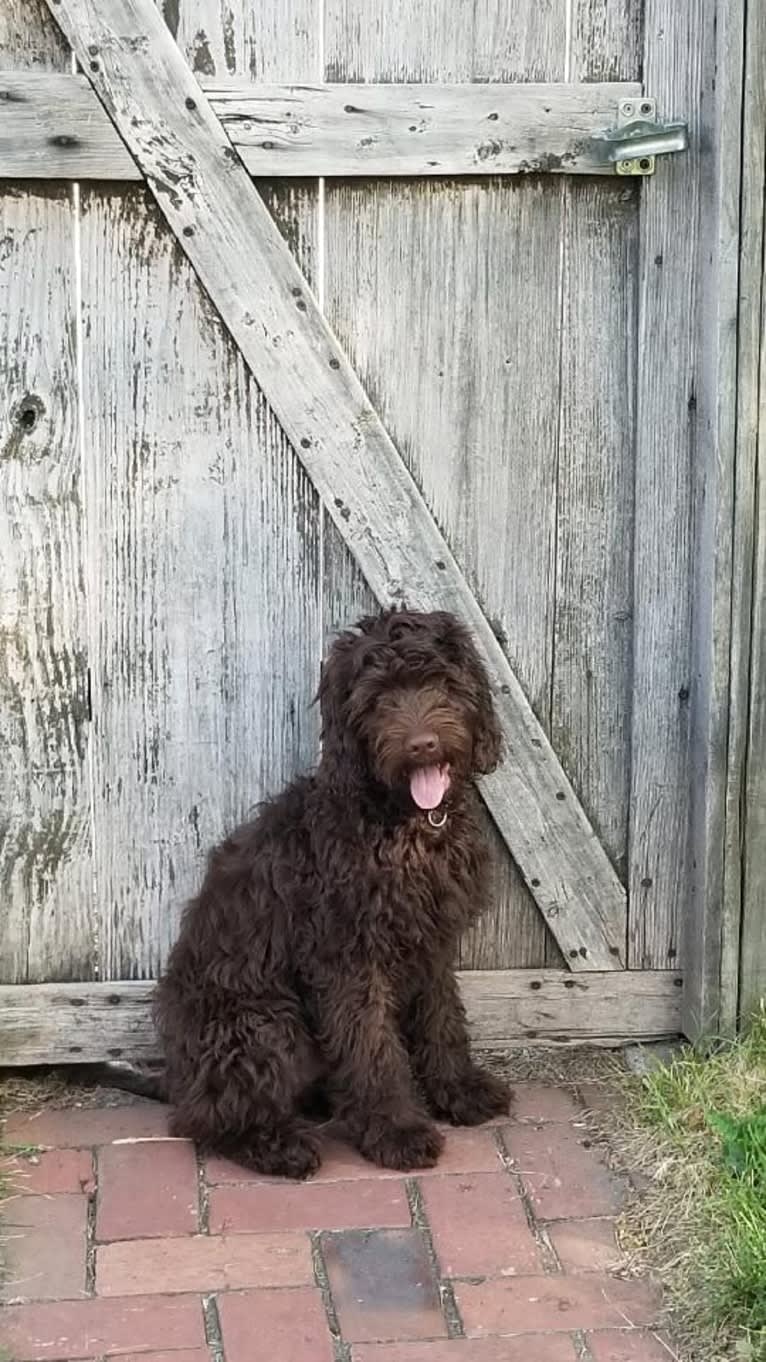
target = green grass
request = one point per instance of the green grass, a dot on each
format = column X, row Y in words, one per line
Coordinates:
column 699, row 1130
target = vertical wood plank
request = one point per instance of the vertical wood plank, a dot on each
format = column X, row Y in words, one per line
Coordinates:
column 207, row 547
column 746, row 850
column 659, row 868
column 592, row 667
column 46, row 902
column 445, row 297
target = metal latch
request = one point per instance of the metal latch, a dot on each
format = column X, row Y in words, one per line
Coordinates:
column 632, row 146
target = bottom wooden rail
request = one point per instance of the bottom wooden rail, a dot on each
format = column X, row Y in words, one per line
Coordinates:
column 93, row 1022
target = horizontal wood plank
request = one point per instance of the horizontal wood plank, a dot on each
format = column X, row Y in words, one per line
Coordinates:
column 52, row 125
column 222, row 223
column 95, row 1022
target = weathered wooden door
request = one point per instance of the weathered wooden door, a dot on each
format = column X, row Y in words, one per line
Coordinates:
column 177, row 549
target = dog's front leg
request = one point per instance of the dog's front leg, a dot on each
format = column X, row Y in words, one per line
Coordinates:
column 456, row 1089
column 369, row 1073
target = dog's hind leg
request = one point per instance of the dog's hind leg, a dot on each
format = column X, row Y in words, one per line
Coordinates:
column 246, row 1076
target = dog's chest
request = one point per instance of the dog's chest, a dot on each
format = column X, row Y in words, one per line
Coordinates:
column 429, row 879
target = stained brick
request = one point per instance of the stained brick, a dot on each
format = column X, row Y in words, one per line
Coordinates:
column 330, row 1206
column 48, row 1173
column 147, row 1189
column 203, row 1263
column 517, row 1305
column 44, row 1247
column 562, row 1173
column 586, row 1245
column 69, row 1330
column 291, row 1322
column 77, row 1127
column 382, row 1285
column 479, row 1226
column 536, row 1348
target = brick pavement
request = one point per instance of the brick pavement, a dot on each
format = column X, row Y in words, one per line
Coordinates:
column 121, row 1243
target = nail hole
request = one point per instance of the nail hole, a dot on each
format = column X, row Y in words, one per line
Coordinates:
column 334, row 363
column 301, row 306
column 646, row 882
column 188, row 231
column 573, row 954
column 645, row 163
column 560, row 794
column 114, row 999
column 190, row 103
column 535, row 884
column 94, row 66
column 535, row 984
column 569, row 983
column 296, row 292
column 305, row 443
column 441, row 566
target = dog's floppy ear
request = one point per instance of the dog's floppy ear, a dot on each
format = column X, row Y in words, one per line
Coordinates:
column 339, row 744
column 488, row 740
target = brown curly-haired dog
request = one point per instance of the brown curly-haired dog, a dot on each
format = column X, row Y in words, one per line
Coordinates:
column 319, row 952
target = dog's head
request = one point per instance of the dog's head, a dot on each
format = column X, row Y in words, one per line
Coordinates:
column 405, row 701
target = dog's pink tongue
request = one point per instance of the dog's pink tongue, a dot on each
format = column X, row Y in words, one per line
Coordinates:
column 428, row 786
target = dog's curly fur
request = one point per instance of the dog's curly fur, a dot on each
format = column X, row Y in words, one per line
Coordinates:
column 319, row 952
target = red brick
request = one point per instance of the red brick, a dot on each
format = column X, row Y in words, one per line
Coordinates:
column 382, row 1285
column 183, row 1355
column 479, row 1226
column 518, row 1305
column 291, row 1323
column 44, row 1247
column 628, row 1345
column 465, row 1151
column 78, row 1127
column 541, row 1348
column 586, row 1245
column 563, row 1175
column 147, row 1189
column 203, row 1263
column 45, row 1174
column 542, row 1102
column 330, row 1206
column 70, row 1330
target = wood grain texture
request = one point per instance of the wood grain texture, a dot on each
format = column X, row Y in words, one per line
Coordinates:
column 592, row 650
column 55, row 126
column 747, row 836
column 433, row 288
column 237, row 252
column 206, row 559
column 594, row 545
column 712, row 928
column 659, row 868
column 96, row 1022
column 46, row 904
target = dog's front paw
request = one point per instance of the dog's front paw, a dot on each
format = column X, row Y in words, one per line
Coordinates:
column 476, row 1097
column 417, row 1145
column 294, row 1154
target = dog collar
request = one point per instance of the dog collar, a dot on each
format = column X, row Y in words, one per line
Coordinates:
column 437, row 817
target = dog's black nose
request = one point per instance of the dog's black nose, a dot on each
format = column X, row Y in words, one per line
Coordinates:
column 422, row 745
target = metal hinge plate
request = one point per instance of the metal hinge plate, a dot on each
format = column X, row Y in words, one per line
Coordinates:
column 638, row 139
